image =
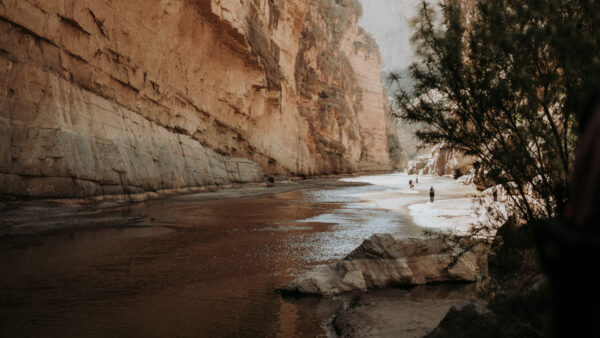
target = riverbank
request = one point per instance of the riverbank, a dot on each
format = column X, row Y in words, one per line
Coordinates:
column 455, row 208
column 419, row 279
column 10, row 201
column 33, row 217
column 406, row 311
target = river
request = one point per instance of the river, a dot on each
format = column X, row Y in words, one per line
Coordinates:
column 191, row 266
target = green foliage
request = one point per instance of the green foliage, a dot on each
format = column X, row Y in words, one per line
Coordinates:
column 506, row 88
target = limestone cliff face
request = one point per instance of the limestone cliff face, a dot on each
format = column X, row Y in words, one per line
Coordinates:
column 102, row 97
column 341, row 95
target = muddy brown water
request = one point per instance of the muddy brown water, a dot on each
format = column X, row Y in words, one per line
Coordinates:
column 187, row 267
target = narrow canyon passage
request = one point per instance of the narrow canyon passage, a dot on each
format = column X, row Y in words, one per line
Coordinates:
column 197, row 267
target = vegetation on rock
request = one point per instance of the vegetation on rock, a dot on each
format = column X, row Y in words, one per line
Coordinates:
column 505, row 81
column 506, row 88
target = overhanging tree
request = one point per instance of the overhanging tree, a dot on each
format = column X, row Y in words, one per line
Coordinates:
column 504, row 84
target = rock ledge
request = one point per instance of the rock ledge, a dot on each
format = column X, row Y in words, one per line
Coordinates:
column 382, row 261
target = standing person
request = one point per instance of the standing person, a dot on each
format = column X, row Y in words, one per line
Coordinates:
column 417, row 180
column 410, row 184
column 431, row 194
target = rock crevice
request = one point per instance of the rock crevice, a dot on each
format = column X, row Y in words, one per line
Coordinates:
column 381, row 261
column 168, row 94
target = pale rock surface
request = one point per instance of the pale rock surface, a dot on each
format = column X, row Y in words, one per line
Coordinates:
column 382, row 261
column 103, row 97
column 441, row 161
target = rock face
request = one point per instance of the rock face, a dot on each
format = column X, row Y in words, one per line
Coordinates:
column 381, row 261
column 100, row 97
column 441, row 162
column 467, row 319
column 341, row 96
column 399, row 312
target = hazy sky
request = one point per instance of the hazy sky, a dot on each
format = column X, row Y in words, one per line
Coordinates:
column 388, row 21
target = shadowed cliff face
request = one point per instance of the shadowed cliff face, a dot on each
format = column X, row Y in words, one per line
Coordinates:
column 109, row 98
column 340, row 92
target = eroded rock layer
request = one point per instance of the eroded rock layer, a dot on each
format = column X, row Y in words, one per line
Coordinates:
column 382, row 261
column 99, row 97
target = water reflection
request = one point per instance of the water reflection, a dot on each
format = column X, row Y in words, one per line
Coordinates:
column 187, row 266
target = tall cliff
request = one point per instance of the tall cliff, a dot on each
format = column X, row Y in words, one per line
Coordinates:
column 101, row 97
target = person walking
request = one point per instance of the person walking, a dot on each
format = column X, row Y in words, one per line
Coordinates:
column 410, row 184
column 431, row 194
column 417, row 180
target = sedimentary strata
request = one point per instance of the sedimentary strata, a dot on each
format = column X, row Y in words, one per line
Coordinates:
column 100, row 97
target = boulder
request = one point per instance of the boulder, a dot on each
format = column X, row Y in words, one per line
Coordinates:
column 382, row 261
column 467, row 319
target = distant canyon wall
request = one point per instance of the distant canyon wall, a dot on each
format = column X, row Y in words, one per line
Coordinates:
column 441, row 161
column 102, row 97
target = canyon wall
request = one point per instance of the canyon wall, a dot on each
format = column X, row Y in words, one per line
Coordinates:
column 101, row 97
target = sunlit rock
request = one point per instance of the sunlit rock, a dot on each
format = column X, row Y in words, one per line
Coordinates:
column 382, row 261
column 128, row 97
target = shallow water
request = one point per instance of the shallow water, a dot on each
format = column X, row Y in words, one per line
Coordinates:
column 192, row 267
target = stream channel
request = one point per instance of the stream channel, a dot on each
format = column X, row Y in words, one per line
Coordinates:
column 195, row 265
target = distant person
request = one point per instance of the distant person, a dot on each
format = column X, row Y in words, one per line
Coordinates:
column 417, row 180
column 410, row 184
column 431, row 194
